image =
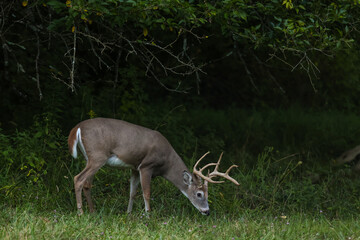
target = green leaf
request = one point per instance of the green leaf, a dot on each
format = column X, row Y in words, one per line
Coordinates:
column 57, row 5
column 60, row 23
column 38, row 135
column 52, row 145
column 243, row 15
column 278, row 19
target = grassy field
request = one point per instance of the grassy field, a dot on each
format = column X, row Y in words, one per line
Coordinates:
column 288, row 188
column 25, row 223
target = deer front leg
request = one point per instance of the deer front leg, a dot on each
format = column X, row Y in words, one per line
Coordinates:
column 134, row 183
column 145, row 179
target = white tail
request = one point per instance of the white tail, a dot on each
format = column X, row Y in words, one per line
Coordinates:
column 77, row 142
column 120, row 144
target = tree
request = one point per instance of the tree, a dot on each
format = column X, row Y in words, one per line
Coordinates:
column 162, row 37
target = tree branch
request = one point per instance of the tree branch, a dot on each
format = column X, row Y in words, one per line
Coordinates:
column 37, row 65
column 72, row 72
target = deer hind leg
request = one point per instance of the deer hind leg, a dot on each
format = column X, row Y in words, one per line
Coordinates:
column 87, row 193
column 134, row 183
column 356, row 167
column 85, row 177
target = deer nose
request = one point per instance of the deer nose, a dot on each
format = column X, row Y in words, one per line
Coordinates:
column 207, row 212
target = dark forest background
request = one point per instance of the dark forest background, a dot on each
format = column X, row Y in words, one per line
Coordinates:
column 274, row 84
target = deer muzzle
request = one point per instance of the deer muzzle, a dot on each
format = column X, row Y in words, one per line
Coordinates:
column 205, row 211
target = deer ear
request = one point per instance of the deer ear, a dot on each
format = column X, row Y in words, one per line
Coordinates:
column 187, row 178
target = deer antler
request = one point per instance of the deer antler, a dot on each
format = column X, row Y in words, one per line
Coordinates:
column 215, row 172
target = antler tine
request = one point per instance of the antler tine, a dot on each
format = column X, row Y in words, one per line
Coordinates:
column 215, row 172
column 200, row 160
column 218, row 162
column 224, row 175
column 212, row 164
column 227, row 171
column 199, row 172
column 207, row 165
column 208, row 178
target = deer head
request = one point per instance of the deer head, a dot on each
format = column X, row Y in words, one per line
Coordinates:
column 197, row 192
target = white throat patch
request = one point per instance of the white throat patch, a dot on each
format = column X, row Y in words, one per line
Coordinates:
column 183, row 192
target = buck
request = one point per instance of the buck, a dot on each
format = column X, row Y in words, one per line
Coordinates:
column 146, row 152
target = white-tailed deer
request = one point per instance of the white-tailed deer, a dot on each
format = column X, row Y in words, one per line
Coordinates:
column 349, row 156
column 121, row 144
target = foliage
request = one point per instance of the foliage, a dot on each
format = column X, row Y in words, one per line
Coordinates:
column 245, row 67
column 28, row 155
column 80, row 42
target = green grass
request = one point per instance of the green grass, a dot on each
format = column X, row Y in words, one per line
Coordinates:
column 288, row 190
column 25, row 223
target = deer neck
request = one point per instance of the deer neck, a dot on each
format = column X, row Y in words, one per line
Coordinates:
column 174, row 173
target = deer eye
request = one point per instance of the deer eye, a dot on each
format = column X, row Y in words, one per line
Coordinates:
column 199, row 195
